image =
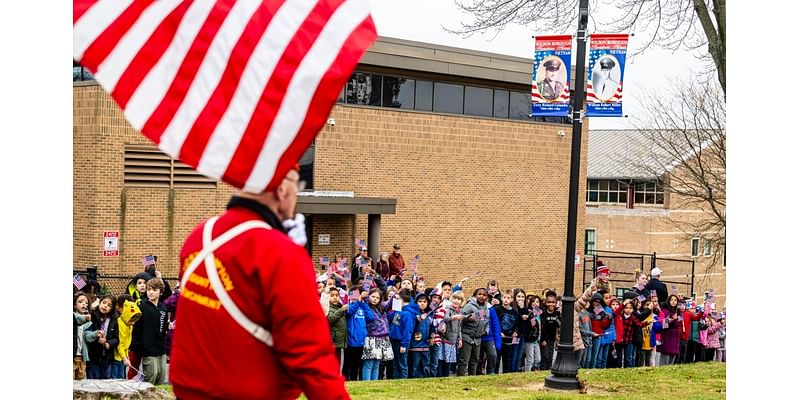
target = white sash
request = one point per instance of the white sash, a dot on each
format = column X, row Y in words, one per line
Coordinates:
column 206, row 255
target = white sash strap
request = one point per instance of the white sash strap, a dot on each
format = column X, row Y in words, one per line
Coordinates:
column 207, row 256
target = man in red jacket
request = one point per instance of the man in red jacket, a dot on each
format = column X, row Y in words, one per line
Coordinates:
column 251, row 326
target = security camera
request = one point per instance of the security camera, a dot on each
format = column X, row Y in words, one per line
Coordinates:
column 562, row 133
column 331, row 122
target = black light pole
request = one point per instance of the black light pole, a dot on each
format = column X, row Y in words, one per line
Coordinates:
column 565, row 367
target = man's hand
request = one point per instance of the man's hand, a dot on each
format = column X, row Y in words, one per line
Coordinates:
column 158, row 274
column 472, row 317
column 345, row 307
column 495, row 302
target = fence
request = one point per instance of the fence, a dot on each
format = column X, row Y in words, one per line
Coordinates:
column 623, row 266
column 110, row 284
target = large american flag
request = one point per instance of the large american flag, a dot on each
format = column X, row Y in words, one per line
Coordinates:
column 236, row 89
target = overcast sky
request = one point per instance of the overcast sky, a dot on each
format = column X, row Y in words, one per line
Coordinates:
column 422, row 20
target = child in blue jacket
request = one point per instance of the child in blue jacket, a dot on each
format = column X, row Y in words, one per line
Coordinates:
column 421, row 339
column 491, row 344
column 401, row 328
column 358, row 313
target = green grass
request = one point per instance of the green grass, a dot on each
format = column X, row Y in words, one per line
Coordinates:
column 689, row 381
column 694, row 381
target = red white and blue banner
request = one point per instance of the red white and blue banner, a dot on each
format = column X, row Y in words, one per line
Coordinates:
column 550, row 80
column 606, row 70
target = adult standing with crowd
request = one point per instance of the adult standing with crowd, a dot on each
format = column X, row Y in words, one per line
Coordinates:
column 396, row 262
column 656, row 284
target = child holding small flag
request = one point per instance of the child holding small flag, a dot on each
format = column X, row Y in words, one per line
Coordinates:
column 102, row 338
column 81, row 320
column 154, row 324
column 358, row 315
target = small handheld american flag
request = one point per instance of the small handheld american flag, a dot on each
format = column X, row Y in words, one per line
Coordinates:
column 360, row 243
column 78, row 281
column 139, row 375
column 148, row 261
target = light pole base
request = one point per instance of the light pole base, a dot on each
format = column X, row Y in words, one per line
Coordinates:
column 565, row 369
column 561, row 383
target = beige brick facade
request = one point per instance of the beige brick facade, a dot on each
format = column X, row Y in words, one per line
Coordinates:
column 472, row 193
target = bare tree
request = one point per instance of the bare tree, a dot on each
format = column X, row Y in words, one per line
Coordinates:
column 671, row 24
column 683, row 133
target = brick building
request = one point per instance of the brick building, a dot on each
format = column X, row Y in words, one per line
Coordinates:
column 430, row 147
column 630, row 211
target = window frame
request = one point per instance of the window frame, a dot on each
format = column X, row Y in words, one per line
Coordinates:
column 695, row 247
column 586, row 242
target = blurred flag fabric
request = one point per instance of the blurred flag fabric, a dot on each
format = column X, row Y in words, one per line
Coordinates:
column 235, row 89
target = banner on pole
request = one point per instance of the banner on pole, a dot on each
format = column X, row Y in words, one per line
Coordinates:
column 607, row 55
column 550, row 80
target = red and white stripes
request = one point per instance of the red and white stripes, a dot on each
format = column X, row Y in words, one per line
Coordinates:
column 236, row 89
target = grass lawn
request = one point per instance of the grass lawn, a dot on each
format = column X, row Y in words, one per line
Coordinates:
column 689, row 381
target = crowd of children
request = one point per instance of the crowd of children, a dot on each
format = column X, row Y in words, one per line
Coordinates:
column 391, row 326
column 124, row 336
column 385, row 325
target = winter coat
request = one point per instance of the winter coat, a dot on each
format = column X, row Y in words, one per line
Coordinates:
column 585, row 321
column 670, row 336
column 97, row 352
column 378, row 326
column 453, row 327
column 580, row 304
column 609, row 334
column 129, row 314
column 402, row 324
column 649, row 331
column 472, row 331
column 618, row 325
column 80, row 323
column 139, row 297
column 712, row 340
column 423, row 331
column 383, row 269
column 600, row 322
column 358, row 313
column 493, row 333
column 659, row 287
column 337, row 321
column 396, row 264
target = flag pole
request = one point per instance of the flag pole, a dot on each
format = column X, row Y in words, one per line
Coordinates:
column 565, row 366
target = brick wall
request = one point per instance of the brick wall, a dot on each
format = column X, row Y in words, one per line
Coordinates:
column 472, row 193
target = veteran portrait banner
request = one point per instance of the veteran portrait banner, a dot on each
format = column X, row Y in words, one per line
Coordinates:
column 550, row 80
column 607, row 54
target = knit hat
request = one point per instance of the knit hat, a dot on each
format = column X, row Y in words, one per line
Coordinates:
column 421, row 296
column 602, row 268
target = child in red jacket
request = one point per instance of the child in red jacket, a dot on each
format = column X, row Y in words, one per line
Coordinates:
column 601, row 320
column 615, row 355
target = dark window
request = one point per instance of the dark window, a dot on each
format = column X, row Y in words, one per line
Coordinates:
column 448, row 98
column 307, row 167
column 478, row 101
column 501, row 103
column 364, row 89
column 423, row 97
column 520, row 105
column 398, row 92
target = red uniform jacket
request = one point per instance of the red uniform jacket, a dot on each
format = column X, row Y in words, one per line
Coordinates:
column 271, row 280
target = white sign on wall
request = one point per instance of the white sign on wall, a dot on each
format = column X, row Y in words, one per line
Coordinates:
column 324, row 240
